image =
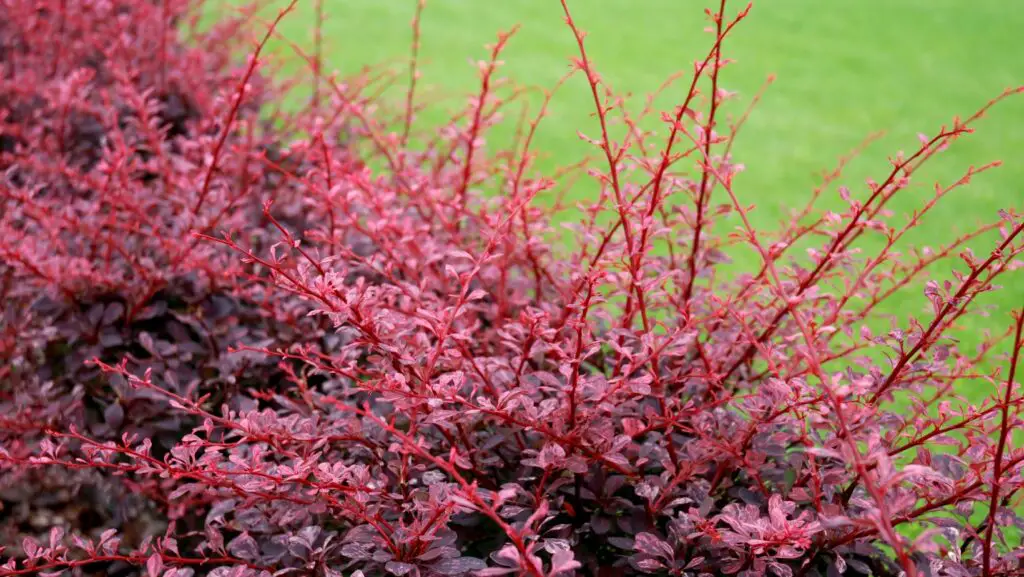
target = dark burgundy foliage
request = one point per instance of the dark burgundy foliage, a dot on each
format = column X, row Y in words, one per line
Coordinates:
column 238, row 341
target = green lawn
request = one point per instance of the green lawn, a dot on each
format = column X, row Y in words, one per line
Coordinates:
column 845, row 69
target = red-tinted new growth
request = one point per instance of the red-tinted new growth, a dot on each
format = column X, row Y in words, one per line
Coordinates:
column 239, row 342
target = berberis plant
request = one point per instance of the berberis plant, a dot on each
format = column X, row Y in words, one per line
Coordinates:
column 239, row 341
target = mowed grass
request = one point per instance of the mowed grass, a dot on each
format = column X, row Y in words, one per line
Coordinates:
column 845, row 69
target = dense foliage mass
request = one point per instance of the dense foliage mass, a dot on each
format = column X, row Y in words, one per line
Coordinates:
column 240, row 342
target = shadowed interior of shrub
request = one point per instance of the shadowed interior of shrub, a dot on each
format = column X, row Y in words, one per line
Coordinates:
column 242, row 342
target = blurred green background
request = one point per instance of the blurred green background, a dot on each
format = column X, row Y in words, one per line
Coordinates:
column 844, row 68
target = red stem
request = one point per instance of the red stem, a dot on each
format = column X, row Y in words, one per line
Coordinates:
column 478, row 109
column 233, row 113
column 318, row 50
column 410, row 94
column 1004, row 434
column 951, row 305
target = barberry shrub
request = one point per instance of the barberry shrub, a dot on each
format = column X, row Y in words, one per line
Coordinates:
column 120, row 142
column 440, row 387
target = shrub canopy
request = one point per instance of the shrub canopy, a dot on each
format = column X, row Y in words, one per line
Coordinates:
column 239, row 342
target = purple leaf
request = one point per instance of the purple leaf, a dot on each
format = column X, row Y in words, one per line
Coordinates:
column 458, row 565
column 244, row 547
column 398, row 568
column 154, row 565
column 650, row 544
